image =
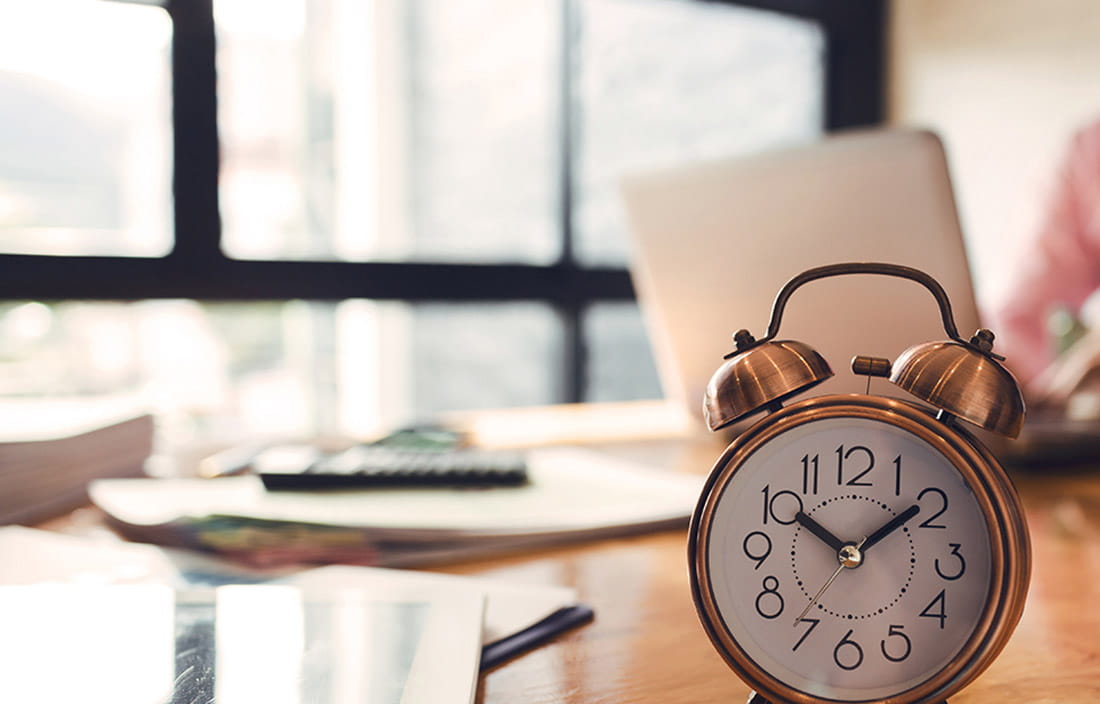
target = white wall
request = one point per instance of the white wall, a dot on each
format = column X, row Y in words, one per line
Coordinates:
column 1004, row 83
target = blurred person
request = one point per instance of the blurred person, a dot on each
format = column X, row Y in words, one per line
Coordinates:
column 1059, row 272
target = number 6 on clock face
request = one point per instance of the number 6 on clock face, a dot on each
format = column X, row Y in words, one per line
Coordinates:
column 849, row 551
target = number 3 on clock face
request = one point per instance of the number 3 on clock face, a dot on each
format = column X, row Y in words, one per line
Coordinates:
column 850, row 553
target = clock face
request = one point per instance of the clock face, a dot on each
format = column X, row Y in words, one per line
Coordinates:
column 884, row 516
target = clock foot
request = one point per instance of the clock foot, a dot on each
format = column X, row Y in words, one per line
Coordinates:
column 755, row 698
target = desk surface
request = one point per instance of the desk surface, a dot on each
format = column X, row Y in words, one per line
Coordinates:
column 646, row 644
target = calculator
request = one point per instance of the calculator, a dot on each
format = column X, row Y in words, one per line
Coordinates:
column 305, row 468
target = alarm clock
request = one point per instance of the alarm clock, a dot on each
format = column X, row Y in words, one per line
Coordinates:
column 857, row 547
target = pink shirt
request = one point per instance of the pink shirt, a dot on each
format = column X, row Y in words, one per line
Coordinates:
column 1062, row 267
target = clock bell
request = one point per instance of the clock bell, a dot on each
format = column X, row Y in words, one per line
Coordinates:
column 962, row 378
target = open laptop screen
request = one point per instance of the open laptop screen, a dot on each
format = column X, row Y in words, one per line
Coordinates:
column 714, row 243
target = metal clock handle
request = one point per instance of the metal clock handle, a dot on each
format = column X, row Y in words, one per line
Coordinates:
column 903, row 272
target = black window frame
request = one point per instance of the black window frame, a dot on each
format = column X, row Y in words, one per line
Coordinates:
column 197, row 268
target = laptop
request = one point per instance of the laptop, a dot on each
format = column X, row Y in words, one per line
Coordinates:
column 714, row 242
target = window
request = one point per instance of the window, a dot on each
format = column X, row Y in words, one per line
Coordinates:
column 86, row 139
column 414, row 208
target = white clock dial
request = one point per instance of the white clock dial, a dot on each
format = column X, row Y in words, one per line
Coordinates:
column 923, row 549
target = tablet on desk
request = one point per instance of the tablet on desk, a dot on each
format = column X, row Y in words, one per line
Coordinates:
column 236, row 644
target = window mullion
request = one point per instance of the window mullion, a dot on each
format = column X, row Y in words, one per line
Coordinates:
column 195, row 133
column 574, row 356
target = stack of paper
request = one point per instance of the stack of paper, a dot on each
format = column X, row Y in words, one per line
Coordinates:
column 573, row 494
column 29, row 556
column 50, row 451
column 329, row 634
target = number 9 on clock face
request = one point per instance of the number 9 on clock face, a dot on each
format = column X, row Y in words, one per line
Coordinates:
column 851, row 551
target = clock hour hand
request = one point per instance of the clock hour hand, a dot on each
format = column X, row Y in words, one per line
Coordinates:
column 893, row 524
column 819, row 530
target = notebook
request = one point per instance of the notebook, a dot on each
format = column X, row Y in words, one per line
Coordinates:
column 573, row 494
column 714, row 242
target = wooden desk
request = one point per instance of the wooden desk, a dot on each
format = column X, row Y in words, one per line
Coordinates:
column 646, row 644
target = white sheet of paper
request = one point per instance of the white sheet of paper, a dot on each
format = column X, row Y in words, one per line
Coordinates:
column 571, row 490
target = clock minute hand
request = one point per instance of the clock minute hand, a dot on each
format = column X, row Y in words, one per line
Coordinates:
column 819, row 530
column 893, row 524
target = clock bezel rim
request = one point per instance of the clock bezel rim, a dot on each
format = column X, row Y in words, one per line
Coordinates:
column 1001, row 511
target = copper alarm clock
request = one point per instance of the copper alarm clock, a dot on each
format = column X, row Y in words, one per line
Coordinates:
column 860, row 548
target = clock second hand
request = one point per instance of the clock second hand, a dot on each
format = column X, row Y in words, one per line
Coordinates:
column 849, row 557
